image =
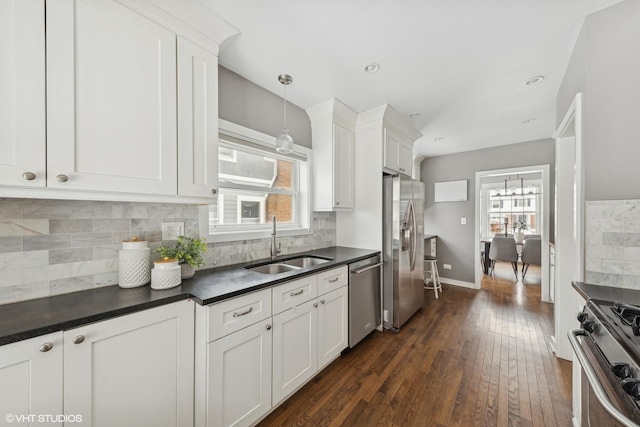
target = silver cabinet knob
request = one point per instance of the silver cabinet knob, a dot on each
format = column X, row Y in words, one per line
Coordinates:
column 214, row 191
column 315, row 304
column 46, row 347
column 62, row 178
column 79, row 339
column 321, row 301
column 337, row 203
column 29, row 176
column 268, row 327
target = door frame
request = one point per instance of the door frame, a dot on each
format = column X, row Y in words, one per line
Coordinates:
column 546, row 204
column 569, row 236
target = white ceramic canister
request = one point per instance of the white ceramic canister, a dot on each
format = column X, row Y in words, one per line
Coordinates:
column 165, row 274
column 134, row 268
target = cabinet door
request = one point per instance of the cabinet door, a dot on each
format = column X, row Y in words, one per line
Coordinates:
column 111, row 99
column 134, row 370
column 197, row 121
column 391, row 151
column 295, row 349
column 31, row 378
column 344, row 175
column 239, row 376
column 333, row 333
column 22, row 93
column 406, row 157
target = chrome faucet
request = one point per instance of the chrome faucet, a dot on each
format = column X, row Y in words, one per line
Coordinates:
column 275, row 250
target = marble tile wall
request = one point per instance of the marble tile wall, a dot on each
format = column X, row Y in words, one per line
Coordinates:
column 51, row 247
column 612, row 243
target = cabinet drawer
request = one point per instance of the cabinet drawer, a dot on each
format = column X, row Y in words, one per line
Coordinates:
column 237, row 313
column 332, row 279
column 293, row 293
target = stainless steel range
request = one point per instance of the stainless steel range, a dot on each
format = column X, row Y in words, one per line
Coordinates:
column 607, row 346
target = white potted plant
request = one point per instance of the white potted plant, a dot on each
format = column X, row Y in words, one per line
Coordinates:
column 518, row 230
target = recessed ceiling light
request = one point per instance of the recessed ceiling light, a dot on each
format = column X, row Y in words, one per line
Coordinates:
column 530, row 120
column 438, row 139
column 374, row 67
column 534, row 80
column 415, row 115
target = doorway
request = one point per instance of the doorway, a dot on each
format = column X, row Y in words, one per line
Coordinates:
column 482, row 209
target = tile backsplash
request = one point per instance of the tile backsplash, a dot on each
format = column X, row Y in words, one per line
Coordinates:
column 612, row 243
column 50, row 247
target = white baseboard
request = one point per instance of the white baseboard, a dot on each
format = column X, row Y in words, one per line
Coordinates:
column 460, row 283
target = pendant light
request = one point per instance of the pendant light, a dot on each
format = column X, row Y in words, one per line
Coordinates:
column 284, row 143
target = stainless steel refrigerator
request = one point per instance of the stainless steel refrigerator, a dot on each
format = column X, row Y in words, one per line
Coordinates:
column 403, row 249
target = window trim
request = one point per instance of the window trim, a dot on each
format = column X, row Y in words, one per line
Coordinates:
column 303, row 210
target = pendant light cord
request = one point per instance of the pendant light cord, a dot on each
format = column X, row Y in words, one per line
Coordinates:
column 285, row 106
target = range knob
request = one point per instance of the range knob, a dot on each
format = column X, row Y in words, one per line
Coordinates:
column 621, row 370
column 582, row 317
column 589, row 326
column 635, row 325
column 632, row 387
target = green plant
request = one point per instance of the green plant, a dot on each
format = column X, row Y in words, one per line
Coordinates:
column 187, row 250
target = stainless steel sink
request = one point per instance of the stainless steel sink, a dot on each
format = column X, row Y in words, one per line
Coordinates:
column 282, row 266
column 305, row 261
column 275, row 268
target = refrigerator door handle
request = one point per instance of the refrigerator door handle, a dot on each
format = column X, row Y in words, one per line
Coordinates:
column 413, row 238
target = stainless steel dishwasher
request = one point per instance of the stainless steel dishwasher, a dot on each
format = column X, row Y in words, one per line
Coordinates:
column 364, row 298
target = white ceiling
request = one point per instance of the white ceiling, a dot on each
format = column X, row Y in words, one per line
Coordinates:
column 462, row 64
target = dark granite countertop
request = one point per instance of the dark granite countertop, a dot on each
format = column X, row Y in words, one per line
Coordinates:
column 28, row 319
column 607, row 293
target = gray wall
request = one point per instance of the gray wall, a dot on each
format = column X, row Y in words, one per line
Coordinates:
column 605, row 65
column 456, row 242
column 245, row 103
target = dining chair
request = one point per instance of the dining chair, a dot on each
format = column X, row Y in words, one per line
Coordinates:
column 531, row 254
column 504, row 249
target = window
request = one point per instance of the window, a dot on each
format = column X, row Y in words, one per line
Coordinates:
column 255, row 184
column 506, row 206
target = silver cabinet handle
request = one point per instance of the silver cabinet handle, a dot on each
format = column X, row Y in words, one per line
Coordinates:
column 293, row 294
column 62, row 178
column 29, row 176
column 335, row 279
column 268, row 327
column 363, row 269
column 321, row 301
column 236, row 314
column 46, row 347
column 79, row 339
column 593, row 379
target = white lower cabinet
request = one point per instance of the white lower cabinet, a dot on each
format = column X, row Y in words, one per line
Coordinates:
column 263, row 346
column 134, row 370
column 240, row 376
column 295, row 348
column 31, row 380
column 333, row 330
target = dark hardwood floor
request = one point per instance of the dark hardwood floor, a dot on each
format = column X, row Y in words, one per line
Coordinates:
column 470, row 358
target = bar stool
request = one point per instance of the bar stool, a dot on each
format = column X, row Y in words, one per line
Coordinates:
column 433, row 275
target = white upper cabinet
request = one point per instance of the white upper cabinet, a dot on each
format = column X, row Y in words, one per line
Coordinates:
column 111, row 99
column 197, row 121
column 398, row 152
column 22, row 93
column 130, row 109
column 333, row 140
